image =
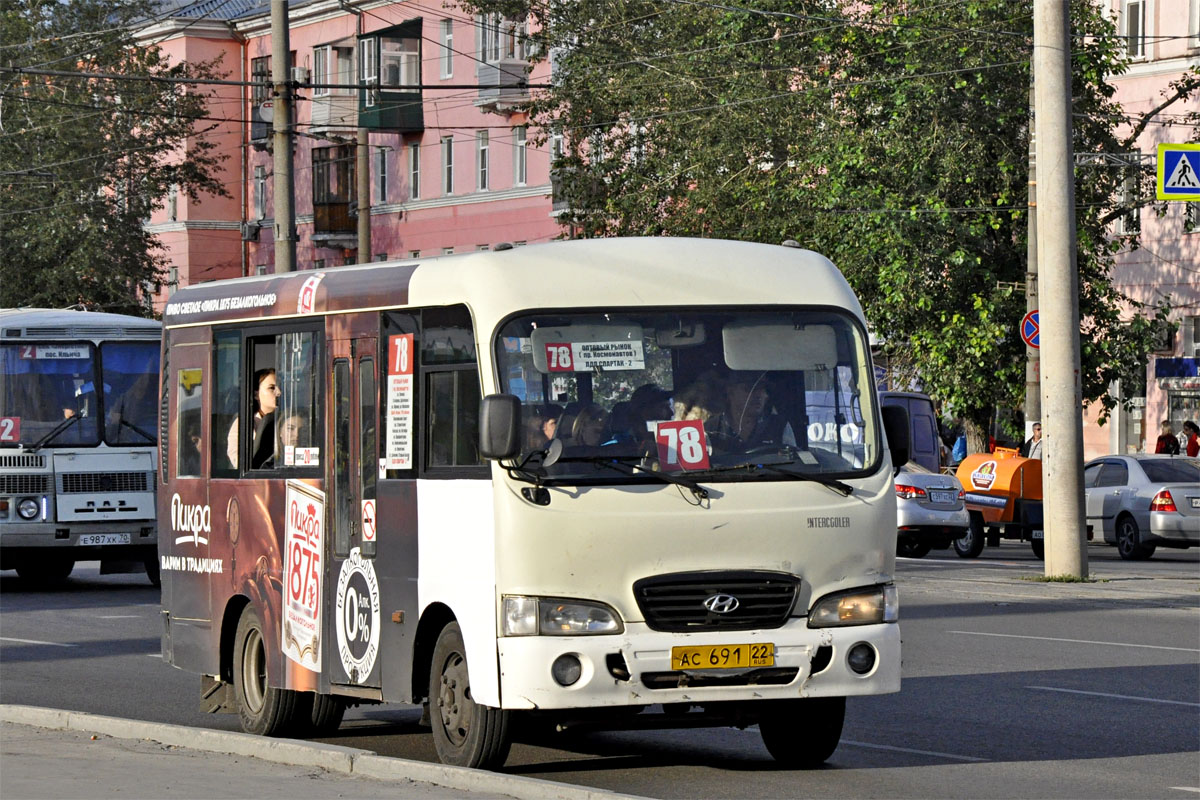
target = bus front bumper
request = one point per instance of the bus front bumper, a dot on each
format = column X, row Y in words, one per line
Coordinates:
column 635, row 668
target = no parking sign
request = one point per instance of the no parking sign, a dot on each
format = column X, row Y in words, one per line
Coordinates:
column 1031, row 329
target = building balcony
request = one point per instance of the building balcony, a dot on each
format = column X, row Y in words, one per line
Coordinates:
column 503, row 84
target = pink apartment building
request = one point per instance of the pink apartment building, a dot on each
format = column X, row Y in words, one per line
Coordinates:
column 1163, row 37
column 451, row 169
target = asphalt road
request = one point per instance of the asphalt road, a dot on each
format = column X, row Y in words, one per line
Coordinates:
column 1012, row 688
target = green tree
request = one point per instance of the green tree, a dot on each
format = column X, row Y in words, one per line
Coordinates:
column 84, row 160
column 891, row 136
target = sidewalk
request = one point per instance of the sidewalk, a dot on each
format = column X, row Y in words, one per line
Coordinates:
column 49, row 753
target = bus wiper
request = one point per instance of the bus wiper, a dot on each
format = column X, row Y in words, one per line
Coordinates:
column 55, row 431
column 780, row 468
column 627, row 465
column 135, row 429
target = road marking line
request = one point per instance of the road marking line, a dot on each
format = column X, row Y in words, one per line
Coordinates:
column 1186, row 789
column 34, row 641
column 894, row 749
column 1118, row 696
column 967, row 563
column 121, row 616
column 1077, row 641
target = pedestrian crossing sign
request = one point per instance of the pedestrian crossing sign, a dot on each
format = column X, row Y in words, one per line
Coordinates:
column 1178, row 172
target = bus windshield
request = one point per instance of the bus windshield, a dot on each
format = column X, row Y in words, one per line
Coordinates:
column 727, row 395
column 51, row 394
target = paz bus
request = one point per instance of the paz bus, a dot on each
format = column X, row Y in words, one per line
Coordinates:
column 572, row 482
column 78, row 442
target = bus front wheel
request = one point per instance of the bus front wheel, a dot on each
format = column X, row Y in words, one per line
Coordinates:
column 262, row 709
column 46, row 572
column 465, row 733
column 803, row 733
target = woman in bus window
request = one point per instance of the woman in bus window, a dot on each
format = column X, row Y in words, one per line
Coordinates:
column 264, row 400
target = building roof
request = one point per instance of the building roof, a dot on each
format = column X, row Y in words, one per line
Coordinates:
column 216, row 9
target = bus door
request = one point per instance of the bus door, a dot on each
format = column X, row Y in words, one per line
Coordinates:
column 354, row 601
column 186, row 519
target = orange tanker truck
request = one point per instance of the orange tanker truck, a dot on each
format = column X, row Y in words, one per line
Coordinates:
column 1003, row 492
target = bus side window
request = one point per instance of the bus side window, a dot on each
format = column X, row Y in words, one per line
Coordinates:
column 341, row 458
column 367, row 414
column 453, row 418
column 188, row 444
column 226, row 401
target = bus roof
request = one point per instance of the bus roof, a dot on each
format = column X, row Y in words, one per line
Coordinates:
column 57, row 323
column 591, row 273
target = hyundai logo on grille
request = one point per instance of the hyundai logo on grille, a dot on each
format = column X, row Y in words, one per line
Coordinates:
column 721, row 603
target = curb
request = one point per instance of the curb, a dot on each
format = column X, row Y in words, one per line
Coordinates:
column 334, row 758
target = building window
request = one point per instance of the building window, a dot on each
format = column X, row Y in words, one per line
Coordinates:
column 381, row 175
column 1134, row 28
column 318, row 263
column 447, row 251
column 381, row 256
column 369, row 70
column 261, row 269
column 332, row 65
column 320, row 73
column 260, row 74
column 487, row 29
column 447, row 60
column 519, row 156
column 172, row 280
column 172, row 202
column 481, row 160
column 414, row 171
column 260, row 192
column 333, row 188
column 400, row 61
column 1131, row 220
column 1191, row 217
column 414, row 253
column 447, row 165
column 556, row 146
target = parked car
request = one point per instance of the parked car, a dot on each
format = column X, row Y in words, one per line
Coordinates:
column 930, row 511
column 924, row 445
column 1143, row 502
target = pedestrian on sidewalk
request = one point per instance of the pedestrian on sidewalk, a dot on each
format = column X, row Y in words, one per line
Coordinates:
column 1192, row 431
column 1167, row 441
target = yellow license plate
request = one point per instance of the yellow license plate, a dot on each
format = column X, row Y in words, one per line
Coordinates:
column 723, row 656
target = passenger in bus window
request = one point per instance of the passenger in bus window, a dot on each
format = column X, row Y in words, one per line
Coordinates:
column 293, row 433
column 588, row 429
column 266, row 399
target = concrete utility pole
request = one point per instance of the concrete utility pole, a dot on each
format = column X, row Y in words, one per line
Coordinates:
column 1033, row 388
column 285, row 203
column 362, row 152
column 1062, row 395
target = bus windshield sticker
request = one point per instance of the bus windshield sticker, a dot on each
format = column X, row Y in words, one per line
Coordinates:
column 10, row 429
column 682, row 444
column 48, row 353
column 400, row 401
column 588, row 356
column 304, row 545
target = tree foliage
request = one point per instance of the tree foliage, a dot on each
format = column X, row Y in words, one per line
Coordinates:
column 891, row 136
column 84, row 161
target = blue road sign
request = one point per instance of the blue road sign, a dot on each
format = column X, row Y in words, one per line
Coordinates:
column 1031, row 330
column 1178, row 172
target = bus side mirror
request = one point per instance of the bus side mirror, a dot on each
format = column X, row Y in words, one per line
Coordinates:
column 499, row 426
column 895, row 427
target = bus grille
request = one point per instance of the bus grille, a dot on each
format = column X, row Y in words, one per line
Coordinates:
column 86, row 482
column 676, row 602
column 22, row 461
column 24, row 484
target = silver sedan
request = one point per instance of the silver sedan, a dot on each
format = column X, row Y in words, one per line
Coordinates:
column 930, row 511
column 1143, row 502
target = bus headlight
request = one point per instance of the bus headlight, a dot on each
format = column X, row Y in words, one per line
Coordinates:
column 548, row 616
column 28, row 508
column 856, row 607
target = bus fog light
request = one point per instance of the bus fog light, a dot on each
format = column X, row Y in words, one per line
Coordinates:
column 28, row 508
column 566, row 669
column 861, row 658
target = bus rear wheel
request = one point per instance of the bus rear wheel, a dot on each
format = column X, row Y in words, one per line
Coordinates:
column 465, row 733
column 262, row 709
column 802, row 734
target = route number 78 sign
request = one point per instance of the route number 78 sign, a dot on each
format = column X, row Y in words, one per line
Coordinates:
column 682, row 444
